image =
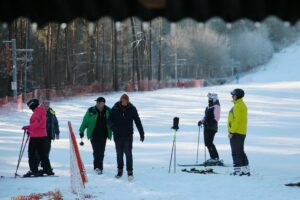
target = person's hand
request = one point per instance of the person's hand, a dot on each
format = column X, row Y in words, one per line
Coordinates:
column 200, row 123
column 57, row 136
column 81, row 135
column 230, row 135
column 25, row 127
column 142, row 138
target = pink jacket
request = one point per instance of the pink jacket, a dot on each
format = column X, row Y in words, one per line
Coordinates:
column 38, row 119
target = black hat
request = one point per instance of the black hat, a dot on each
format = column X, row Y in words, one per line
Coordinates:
column 33, row 103
column 100, row 99
column 238, row 92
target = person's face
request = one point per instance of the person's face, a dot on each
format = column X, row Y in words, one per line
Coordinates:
column 100, row 105
column 46, row 105
column 234, row 97
column 124, row 102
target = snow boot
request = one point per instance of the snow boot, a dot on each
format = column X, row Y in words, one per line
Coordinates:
column 30, row 174
column 119, row 174
column 130, row 176
column 98, row 171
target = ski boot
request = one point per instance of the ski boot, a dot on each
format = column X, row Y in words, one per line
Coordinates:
column 245, row 171
column 30, row 174
column 236, row 171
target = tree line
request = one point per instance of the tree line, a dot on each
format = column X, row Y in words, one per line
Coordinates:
column 131, row 51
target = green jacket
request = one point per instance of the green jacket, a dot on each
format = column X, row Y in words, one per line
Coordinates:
column 90, row 119
column 237, row 118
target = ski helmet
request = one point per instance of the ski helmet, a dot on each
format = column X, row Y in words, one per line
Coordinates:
column 238, row 92
column 213, row 96
column 33, row 103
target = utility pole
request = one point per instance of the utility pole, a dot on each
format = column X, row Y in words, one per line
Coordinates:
column 14, row 85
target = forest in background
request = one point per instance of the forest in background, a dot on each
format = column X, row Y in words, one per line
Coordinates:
column 131, row 51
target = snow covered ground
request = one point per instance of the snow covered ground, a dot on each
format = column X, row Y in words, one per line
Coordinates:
column 272, row 144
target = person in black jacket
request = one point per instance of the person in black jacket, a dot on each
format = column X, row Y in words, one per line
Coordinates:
column 121, row 122
column 210, row 122
column 52, row 127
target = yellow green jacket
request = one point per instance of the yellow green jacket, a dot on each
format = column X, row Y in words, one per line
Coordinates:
column 237, row 118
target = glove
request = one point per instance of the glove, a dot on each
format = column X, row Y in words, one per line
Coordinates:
column 142, row 138
column 57, row 136
column 200, row 123
column 81, row 135
column 230, row 135
column 25, row 127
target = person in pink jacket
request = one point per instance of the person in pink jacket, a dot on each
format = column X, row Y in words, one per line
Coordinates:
column 38, row 138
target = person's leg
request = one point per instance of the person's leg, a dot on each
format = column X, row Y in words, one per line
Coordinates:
column 32, row 155
column 244, row 156
column 209, row 138
column 47, row 149
column 96, row 152
column 43, row 152
column 236, row 149
column 102, row 151
column 119, row 144
column 128, row 154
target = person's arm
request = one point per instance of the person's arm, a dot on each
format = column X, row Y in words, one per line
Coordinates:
column 84, row 123
column 56, row 126
column 138, row 123
column 236, row 118
column 217, row 112
column 36, row 122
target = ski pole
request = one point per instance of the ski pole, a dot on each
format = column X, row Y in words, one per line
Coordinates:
column 20, row 153
column 171, row 157
column 175, row 151
column 23, row 146
column 198, row 145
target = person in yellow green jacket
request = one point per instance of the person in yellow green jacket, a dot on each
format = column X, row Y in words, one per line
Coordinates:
column 98, row 131
column 237, row 129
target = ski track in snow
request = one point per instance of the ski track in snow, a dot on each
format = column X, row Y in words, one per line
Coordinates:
column 272, row 145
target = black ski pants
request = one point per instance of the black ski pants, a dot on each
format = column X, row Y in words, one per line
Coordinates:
column 38, row 146
column 209, row 136
column 237, row 148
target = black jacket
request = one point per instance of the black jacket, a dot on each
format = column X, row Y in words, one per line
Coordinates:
column 52, row 124
column 121, row 120
column 209, row 119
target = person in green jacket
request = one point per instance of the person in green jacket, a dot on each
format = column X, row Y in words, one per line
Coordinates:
column 95, row 121
column 237, row 129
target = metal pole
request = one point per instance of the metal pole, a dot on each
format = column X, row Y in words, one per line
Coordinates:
column 26, row 62
column 198, row 145
column 14, row 58
column 176, row 77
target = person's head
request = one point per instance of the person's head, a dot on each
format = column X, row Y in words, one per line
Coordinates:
column 212, row 97
column 33, row 104
column 237, row 94
column 100, row 103
column 124, row 100
column 46, row 104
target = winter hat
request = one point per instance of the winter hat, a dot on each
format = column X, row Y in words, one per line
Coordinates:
column 33, row 103
column 125, row 96
column 212, row 96
column 238, row 92
column 100, row 99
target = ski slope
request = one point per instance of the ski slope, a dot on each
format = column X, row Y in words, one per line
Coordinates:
column 272, row 144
